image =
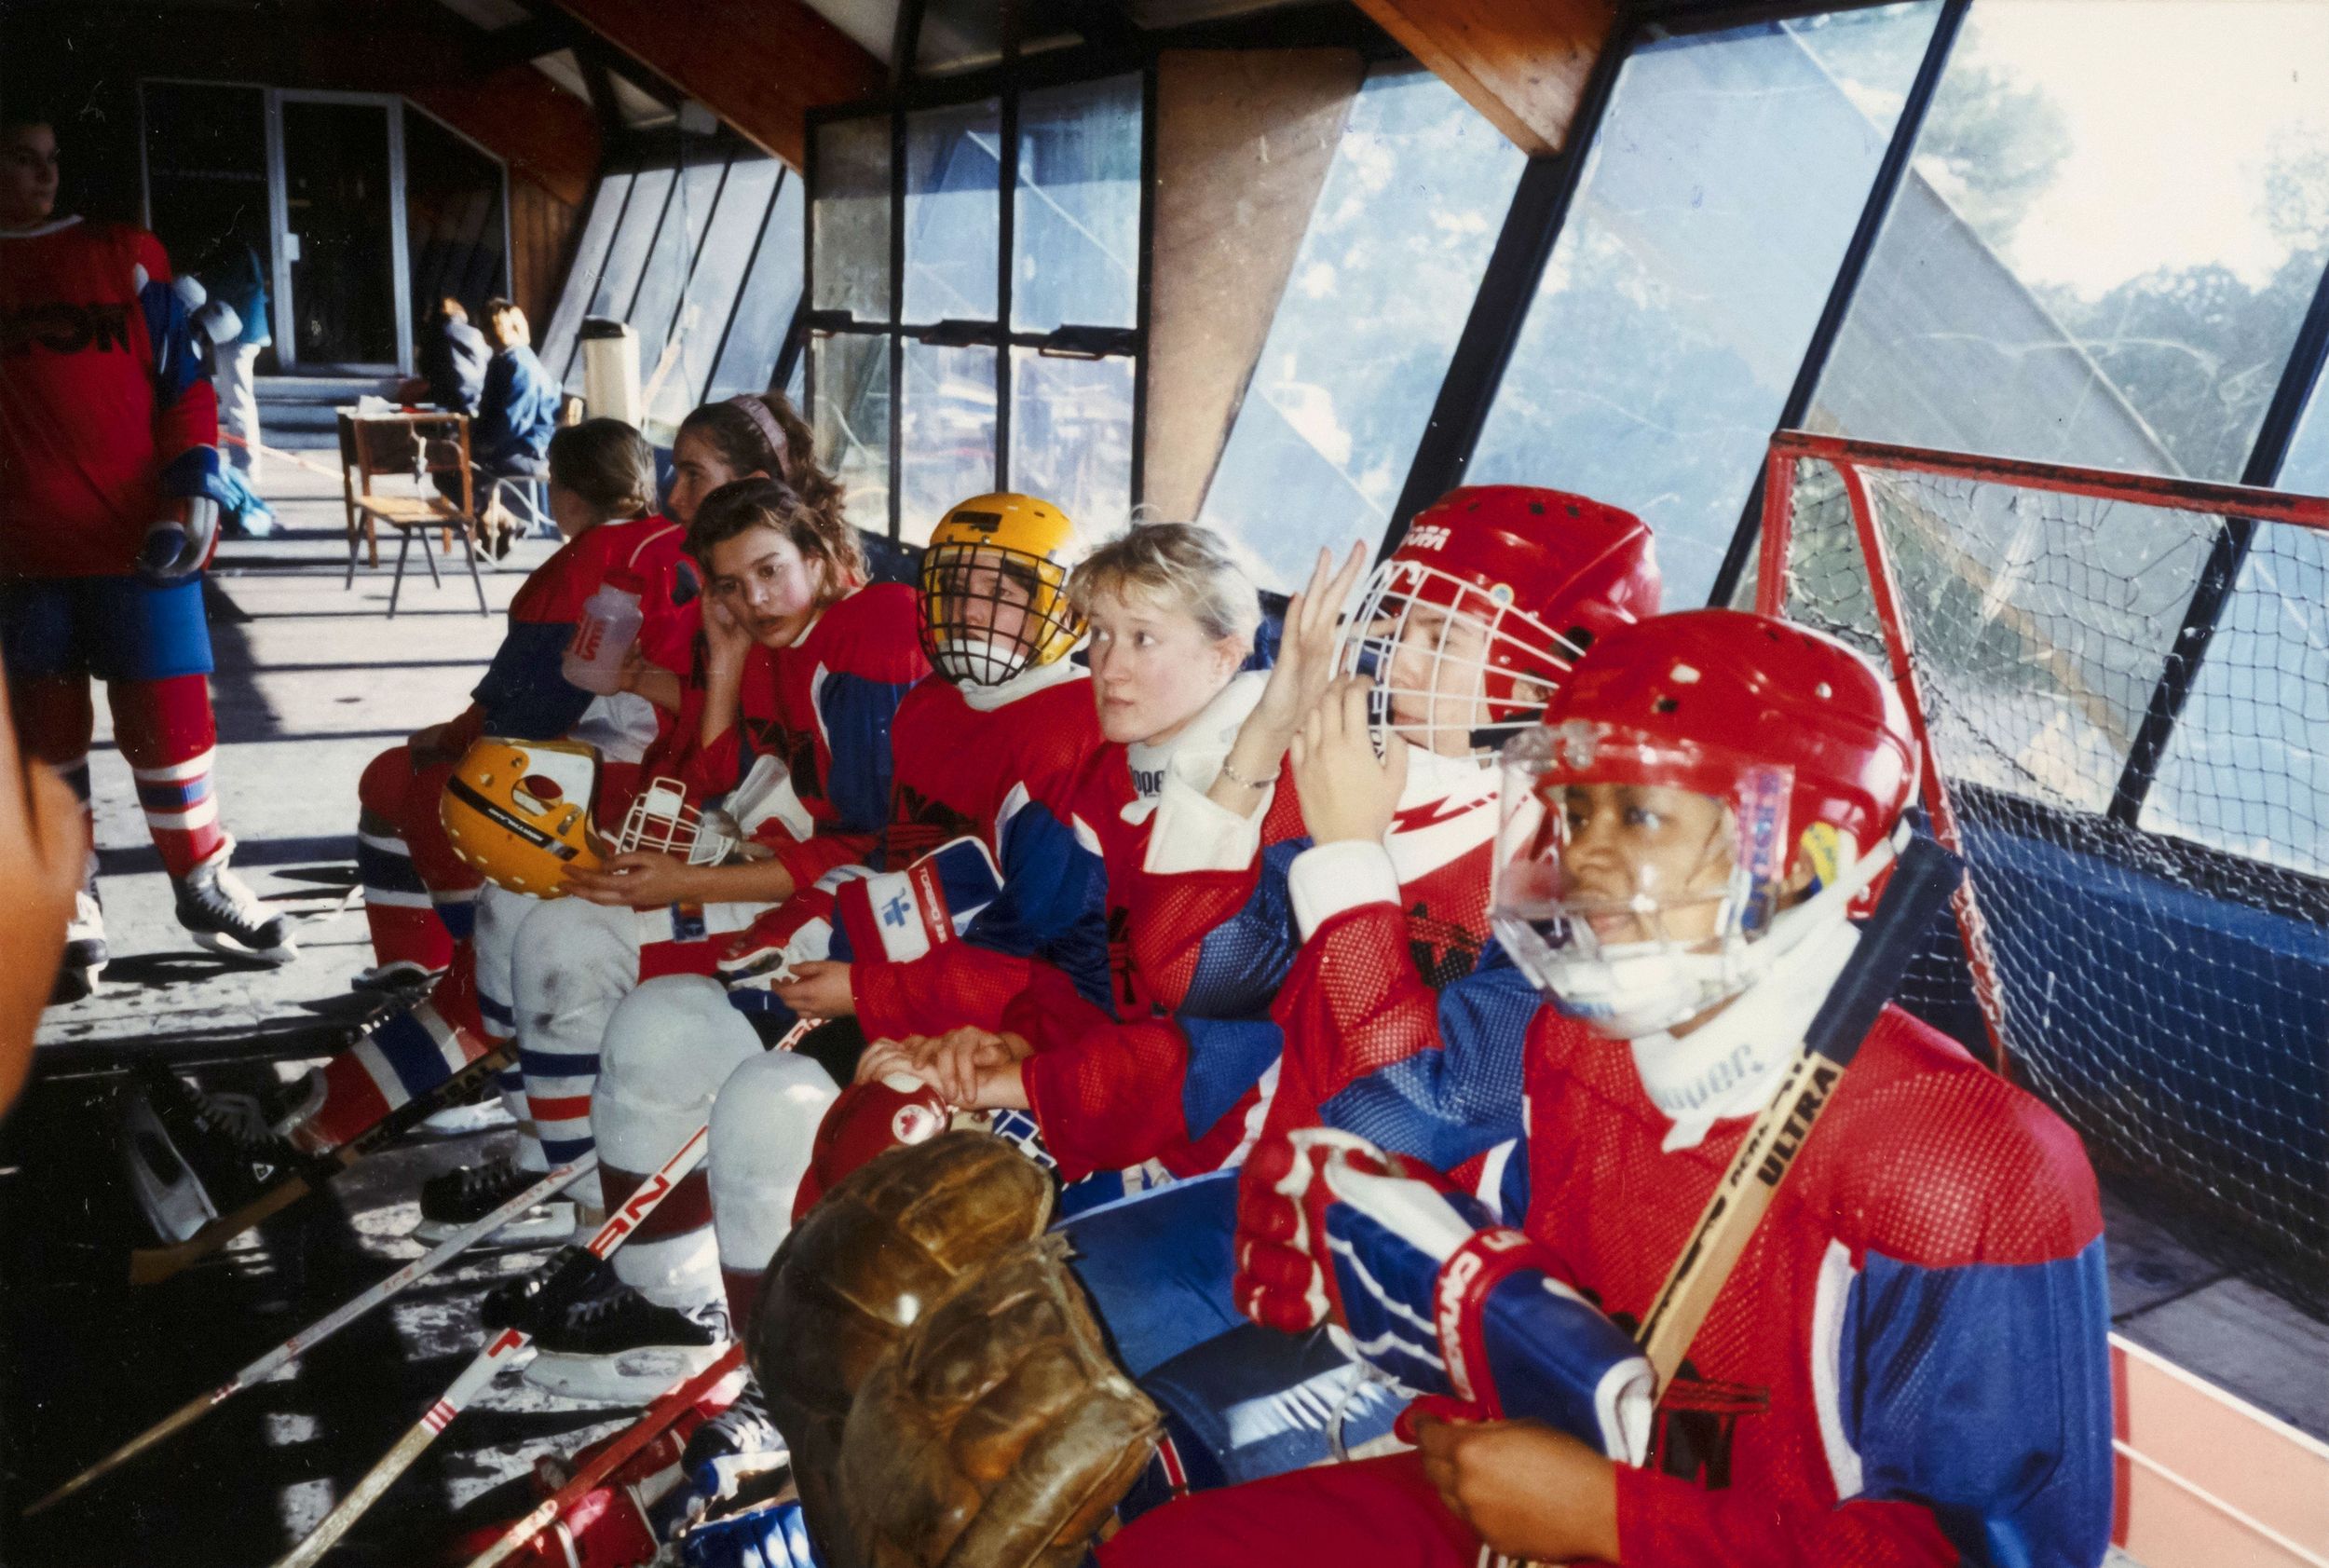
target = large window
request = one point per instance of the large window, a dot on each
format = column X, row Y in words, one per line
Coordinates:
column 1005, row 352
column 702, row 260
column 1720, row 195
column 2114, row 221
column 1377, row 296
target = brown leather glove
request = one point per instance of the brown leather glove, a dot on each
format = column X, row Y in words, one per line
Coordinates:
column 1000, row 1432
column 878, row 1250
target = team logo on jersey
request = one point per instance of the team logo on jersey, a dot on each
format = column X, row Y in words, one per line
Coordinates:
column 1695, row 1434
column 65, row 329
column 799, row 752
column 918, row 824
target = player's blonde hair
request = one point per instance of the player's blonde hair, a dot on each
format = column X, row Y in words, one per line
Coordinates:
column 1183, row 565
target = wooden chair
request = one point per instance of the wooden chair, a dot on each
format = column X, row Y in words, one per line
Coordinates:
column 415, row 446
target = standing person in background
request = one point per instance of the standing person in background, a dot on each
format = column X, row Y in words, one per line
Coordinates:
column 453, row 357
column 109, row 498
column 232, row 274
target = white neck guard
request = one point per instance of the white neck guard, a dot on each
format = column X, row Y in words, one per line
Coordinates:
column 1027, row 683
column 1214, row 728
column 1729, row 1066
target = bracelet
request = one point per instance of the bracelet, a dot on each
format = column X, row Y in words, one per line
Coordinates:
column 1234, row 776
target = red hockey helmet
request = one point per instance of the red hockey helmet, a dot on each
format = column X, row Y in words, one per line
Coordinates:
column 1800, row 742
column 867, row 1121
column 1472, row 623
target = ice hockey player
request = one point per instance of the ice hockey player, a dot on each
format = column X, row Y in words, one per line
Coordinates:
column 1908, row 1365
column 806, row 664
column 110, row 497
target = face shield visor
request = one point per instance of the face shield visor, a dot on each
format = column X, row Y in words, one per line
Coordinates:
column 1458, row 670
column 1638, row 877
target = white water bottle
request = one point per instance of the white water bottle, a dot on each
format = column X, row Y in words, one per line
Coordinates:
column 610, row 623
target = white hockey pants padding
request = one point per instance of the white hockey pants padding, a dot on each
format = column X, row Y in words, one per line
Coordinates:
column 493, row 941
column 763, row 1125
column 669, row 1047
column 573, row 961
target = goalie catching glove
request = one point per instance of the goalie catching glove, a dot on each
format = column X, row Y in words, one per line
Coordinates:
column 1420, row 1282
column 999, row 1433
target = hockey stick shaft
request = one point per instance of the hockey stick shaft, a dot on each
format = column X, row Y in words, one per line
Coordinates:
column 149, row 1265
column 499, row 1351
column 323, row 1329
column 668, row 1407
column 1921, row 884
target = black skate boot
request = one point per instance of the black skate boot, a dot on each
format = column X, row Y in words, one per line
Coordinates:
column 616, row 1347
column 191, row 1157
column 738, row 1443
column 222, row 913
column 460, row 1198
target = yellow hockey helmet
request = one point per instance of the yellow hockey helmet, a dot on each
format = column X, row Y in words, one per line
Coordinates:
column 520, row 811
column 994, row 589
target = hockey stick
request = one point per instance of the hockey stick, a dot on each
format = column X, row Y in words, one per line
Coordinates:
column 500, row 1350
column 1922, row 882
column 669, row 1406
column 323, row 1329
column 149, row 1265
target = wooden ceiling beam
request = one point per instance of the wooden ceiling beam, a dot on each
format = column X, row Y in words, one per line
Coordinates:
column 1522, row 64
column 760, row 65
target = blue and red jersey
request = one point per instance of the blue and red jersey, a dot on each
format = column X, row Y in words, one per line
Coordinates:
column 524, row 694
column 104, row 406
column 1910, row 1362
column 1000, row 769
column 823, row 706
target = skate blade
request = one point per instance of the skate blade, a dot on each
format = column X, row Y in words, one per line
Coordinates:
column 627, row 1378
column 226, row 947
column 544, row 1224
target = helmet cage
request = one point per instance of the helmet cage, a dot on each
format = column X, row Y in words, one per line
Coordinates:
column 662, row 819
column 959, row 622
column 1406, row 636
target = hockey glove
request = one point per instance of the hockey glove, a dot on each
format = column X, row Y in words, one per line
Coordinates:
column 763, row 954
column 1420, row 1282
column 179, row 543
column 899, row 916
column 771, row 1535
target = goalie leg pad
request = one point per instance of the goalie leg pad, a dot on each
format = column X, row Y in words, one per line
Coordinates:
column 572, row 963
column 763, row 1124
column 1157, row 1266
column 669, row 1046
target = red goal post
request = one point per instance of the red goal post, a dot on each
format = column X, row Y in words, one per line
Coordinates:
column 2143, row 812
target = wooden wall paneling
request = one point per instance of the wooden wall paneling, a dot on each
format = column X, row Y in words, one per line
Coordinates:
column 1522, row 64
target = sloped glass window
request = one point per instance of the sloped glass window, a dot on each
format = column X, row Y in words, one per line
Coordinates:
column 1718, row 198
column 1076, row 238
column 590, row 261
column 713, row 285
column 669, row 263
column 1378, row 294
column 765, row 308
column 2114, row 221
column 626, row 258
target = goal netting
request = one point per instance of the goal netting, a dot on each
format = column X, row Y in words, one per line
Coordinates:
column 2123, row 682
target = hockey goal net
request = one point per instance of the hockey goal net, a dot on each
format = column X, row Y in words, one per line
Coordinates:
column 2122, row 686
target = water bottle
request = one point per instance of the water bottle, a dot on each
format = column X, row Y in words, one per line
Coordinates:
column 610, row 623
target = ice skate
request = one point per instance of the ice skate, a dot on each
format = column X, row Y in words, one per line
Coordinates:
column 191, row 1156
column 460, row 1198
column 222, row 913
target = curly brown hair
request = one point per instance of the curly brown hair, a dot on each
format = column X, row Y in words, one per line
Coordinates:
column 746, row 504
column 741, row 438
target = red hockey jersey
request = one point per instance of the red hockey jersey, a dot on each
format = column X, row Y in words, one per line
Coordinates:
column 1003, row 773
column 824, row 706
column 102, row 389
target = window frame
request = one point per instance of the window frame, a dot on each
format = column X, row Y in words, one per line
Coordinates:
column 1066, row 68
